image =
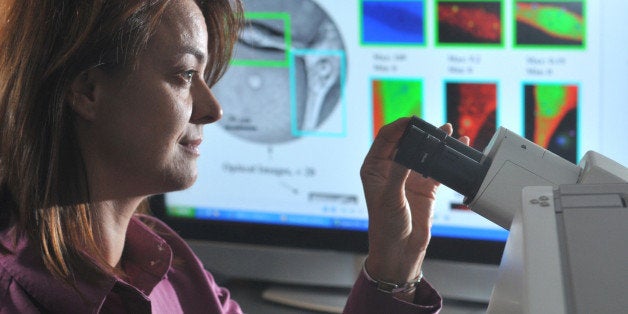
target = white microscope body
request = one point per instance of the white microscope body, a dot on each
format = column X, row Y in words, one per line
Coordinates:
column 567, row 251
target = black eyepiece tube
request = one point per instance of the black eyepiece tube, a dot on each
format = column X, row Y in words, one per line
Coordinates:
column 449, row 141
column 429, row 151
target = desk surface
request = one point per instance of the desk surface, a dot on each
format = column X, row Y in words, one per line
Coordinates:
column 249, row 296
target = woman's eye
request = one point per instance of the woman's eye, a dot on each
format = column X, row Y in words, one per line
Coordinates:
column 188, row 75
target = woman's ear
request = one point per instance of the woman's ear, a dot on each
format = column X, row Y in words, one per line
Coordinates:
column 82, row 96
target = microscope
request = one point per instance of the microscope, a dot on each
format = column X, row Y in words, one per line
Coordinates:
column 566, row 251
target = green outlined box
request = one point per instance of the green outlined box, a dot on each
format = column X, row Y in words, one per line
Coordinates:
column 555, row 24
column 469, row 23
column 250, row 32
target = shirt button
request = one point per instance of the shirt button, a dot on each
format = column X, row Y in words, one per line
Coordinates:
column 153, row 263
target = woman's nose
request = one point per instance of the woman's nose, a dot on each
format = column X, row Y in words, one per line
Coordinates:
column 205, row 107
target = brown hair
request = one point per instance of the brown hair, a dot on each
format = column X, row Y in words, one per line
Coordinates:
column 45, row 45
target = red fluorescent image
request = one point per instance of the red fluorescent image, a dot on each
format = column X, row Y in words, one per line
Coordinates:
column 469, row 22
column 471, row 108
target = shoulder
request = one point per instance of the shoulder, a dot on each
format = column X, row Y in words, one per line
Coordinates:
column 13, row 297
column 5, row 282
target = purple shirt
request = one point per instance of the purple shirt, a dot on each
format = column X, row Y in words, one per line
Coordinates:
column 163, row 276
column 366, row 299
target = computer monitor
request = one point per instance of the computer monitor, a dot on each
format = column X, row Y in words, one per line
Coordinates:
column 279, row 197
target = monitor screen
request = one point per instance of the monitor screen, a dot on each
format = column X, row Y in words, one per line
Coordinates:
column 312, row 81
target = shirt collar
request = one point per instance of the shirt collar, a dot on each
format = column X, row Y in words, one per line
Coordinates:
column 147, row 257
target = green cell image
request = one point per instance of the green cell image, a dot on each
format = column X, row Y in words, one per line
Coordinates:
column 551, row 117
column 395, row 98
column 550, row 24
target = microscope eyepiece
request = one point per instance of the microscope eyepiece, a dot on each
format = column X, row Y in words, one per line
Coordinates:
column 429, row 151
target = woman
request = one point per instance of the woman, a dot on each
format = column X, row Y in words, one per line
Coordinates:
column 102, row 104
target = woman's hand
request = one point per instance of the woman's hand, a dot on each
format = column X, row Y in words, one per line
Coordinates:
column 400, row 206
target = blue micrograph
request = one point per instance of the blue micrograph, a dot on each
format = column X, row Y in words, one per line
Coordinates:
column 393, row 22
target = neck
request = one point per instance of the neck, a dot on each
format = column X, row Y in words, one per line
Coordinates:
column 110, row 227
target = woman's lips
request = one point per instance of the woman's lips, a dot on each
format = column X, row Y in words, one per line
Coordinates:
column 191, row 146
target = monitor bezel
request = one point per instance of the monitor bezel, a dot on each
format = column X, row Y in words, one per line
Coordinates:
column 441, row 248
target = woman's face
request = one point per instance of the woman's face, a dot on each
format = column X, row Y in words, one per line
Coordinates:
column 148, row 124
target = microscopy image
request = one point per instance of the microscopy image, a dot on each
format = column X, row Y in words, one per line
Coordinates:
column 393, row 22
column 287, row 75
column 471, row 108
column 551, row 118
column 395, row 98
column 550, row 23
column 265, row 40
column 469, row 22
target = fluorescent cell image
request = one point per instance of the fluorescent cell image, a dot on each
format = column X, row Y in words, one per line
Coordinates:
column 393, row 22
column 469, row 22
column 550, row 23
column 395, row 98
column 471, row 108
column 551, row 118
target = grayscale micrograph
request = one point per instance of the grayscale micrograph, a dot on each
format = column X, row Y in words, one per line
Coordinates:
column 287, row 73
